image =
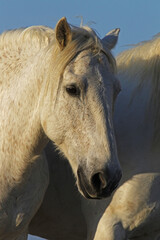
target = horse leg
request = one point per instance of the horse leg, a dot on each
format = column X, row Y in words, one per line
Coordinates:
column 110, row 228
column 23, row 236
column 131, row 211
column 25, row 200
column 17, row 236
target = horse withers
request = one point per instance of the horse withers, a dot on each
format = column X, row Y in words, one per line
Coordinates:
column 60, row 85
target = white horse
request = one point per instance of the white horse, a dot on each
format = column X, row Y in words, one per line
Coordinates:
column 54, row 85
column 134, row 210
column 135, row 207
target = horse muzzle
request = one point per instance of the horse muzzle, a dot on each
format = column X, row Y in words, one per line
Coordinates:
column 100, row 185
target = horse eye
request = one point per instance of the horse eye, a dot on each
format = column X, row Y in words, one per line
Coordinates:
column 73, row 90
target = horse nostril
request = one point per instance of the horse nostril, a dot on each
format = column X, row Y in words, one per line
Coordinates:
column 98, row 181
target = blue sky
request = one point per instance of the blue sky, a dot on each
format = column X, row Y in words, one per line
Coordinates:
column 138, row 20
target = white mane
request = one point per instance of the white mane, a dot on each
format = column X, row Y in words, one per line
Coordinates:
column 142, row 60
column 36, row 37
column 19, row 44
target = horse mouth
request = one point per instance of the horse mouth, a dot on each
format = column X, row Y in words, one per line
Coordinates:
column 89, row 192
column 82, row 189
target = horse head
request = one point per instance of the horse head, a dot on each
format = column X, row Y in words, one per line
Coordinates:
column 79, row 120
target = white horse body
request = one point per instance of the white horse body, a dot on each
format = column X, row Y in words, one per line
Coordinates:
column 134, row 210
column 48, row 80
column 21, row 139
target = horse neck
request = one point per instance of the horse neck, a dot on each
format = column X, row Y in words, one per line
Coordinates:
column 20, row 127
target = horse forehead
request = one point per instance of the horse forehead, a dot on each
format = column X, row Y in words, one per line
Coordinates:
column 84, row 63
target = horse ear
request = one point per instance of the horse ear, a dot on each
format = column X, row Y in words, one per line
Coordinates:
column 111, row 38
column 63, row 33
